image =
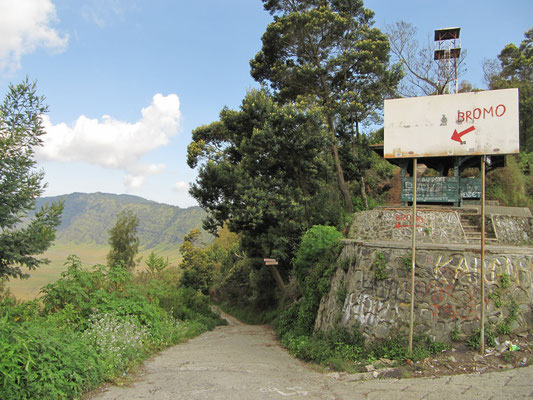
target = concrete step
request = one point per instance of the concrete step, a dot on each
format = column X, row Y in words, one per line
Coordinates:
column 487, row 241
column 478, row 235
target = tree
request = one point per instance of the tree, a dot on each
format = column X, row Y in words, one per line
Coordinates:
column 20, row 184
column 514, row 69
column 156, row 263
column 263, row 171
column 124, row 240
column 423, row 77
column 326, row 52
column 197, row 266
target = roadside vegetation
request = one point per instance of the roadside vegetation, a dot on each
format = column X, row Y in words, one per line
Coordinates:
column 94, row 325
column 279, row 178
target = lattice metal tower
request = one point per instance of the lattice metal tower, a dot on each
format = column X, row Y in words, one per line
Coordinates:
column 447, row 52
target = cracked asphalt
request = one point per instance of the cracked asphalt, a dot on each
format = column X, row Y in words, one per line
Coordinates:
column 241, row 361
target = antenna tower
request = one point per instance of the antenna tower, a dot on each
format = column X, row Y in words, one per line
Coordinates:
column 447, row 51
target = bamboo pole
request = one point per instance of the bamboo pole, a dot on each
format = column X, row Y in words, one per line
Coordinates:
column 413, row 257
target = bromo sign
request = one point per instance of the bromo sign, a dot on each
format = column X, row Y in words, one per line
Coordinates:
column 461, row 124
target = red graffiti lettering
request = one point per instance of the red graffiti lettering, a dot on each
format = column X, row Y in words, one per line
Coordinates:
column 481, row 113
column 487, row 112
column 502, row 109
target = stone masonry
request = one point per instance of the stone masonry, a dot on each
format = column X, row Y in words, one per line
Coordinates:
column 372, row 284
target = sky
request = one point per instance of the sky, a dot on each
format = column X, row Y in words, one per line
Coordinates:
column 127, row 81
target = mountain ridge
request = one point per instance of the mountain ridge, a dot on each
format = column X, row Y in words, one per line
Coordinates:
column 88, row 217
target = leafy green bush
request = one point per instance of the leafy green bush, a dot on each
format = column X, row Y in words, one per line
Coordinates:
column 511, row 185
column 380, row 267
column 93, row 325
column 118, row 340
column 315, row 243
column 41, row 361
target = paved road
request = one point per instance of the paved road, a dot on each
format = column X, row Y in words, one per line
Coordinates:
column 246, row 362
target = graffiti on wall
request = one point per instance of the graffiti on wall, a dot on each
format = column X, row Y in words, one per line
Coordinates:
column 369, row 311
column 454, row 290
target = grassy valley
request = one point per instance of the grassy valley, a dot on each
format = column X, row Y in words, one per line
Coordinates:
column 86, row 221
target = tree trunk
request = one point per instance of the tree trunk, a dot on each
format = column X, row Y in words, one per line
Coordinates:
column 361, row 179
column 338, row 168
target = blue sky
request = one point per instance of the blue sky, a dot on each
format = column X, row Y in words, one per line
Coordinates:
column 127, row 81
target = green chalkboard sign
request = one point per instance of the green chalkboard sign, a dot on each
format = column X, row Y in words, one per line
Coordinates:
column 470, row 188
column 441, row 189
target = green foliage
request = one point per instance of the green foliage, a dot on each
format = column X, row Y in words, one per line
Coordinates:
column 328, row 55
column 503, row 327
column 314, row 244
column 197, row 266
column 380, row 267
column 314, row 265
column 42, row 361
column 341, row 295
column 455, row 335
column 262, row 172
column 508, row 185
column 514, row 69
column 94, row 325
column 21, row 129
column 474, row 339
column 329, row 348
column 513, row 185
column 345, row 263
column 339, row 345
column 118, row 339
column 249, row 315
column 407, row 262
column 124, row 240
column 86, row 218
column 156, row 264
column 505, row 281
column 496, row 297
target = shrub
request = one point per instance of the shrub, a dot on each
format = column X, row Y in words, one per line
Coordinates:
column 40, row 361
column 94, row 324
column 119, row 340
column 315, row 243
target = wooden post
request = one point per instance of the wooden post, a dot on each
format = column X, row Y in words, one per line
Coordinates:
column 272, row 263
column 482, row 269
column 413, row 257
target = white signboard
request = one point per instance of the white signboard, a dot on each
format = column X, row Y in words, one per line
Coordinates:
column 452, row 125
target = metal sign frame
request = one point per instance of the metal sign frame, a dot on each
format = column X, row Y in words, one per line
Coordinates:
column 464, row 124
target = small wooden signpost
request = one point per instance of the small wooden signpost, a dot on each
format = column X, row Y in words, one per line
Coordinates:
column 272, row 263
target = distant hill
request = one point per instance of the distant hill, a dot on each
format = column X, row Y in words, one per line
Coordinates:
column 87, row 219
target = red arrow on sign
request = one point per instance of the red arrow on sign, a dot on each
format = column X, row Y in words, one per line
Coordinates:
column 457, row 136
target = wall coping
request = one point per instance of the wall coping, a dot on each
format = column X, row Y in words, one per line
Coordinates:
column 474, row 248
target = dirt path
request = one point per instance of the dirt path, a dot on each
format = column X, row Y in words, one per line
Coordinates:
column 246, row 362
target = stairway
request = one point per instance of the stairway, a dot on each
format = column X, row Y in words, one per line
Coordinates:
column 471, row 223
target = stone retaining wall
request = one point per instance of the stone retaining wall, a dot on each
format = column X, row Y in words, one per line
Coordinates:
column 395, row 224
column 447, row 290
column 513, row 230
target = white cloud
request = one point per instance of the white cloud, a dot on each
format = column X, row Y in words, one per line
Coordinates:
column 24, row 26
column 137, row 174
column 181, row 187
column 111, row 143
column 103, row 12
